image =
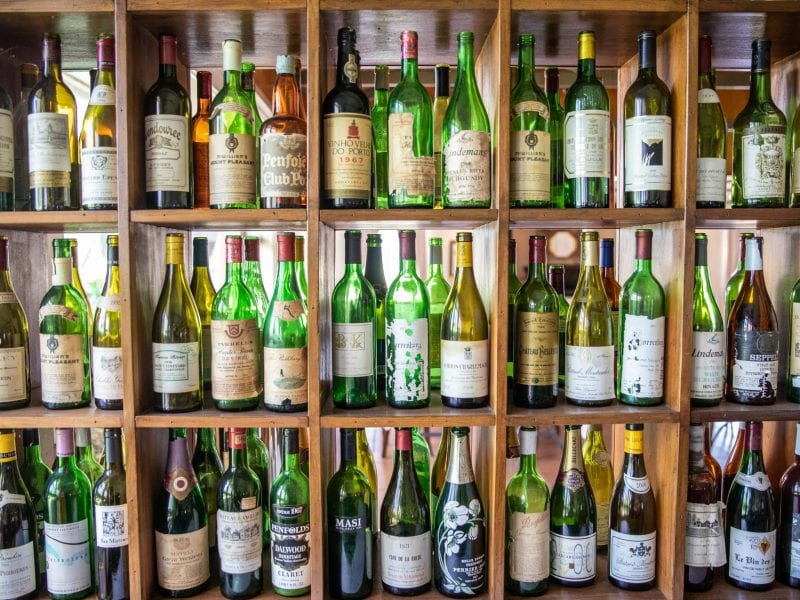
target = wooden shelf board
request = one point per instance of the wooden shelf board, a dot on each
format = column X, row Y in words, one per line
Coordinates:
column 723, row 589
column 224, row 219
column 54, row 6
column 183, row 6
column 55, row 221
column 746, row 218
column 782, row 410
column 583, row 218
column 733, row 29
column 408, row 218
column 38, row 416
column 210, row 416
column 570, row 414
column 749, row 5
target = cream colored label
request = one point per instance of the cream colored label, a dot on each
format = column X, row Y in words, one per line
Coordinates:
column 707, row 96
column 17, row 571
column 602, row 523
column 751, row 556
column 111, row 303
column 632, row 558
column 530, row 166
column 712, row 180
column 467, row 167
column 642, row 372
column 48, row 143
column 8, row 298
column 529, row 546
column 6, row 151
column 536, row 360
column 347, row 147
column 408, row 174
column 587, row 144
column 648, row 153
column 13, row 383
column 239, row 540
column 589, row 373
column 107, row 373
column 57, row 310
column 111, row 526
column 234, row 359
column 285, row 377
column 176, row 368
column 573, row 559
column 38, row 179
column 182, row 559
column 705, row 535
column 62, row 367
column 166, row 153
column 102, row 95
column 288, row 311
column 796, row 172
column 794, row 343
column 764, row 162
column 406, row 561
column 465, row 368
column 283, row 165
column 353, row 348
column 231, row 168
column 530, row 106
column 98, row 176
column 68, row 555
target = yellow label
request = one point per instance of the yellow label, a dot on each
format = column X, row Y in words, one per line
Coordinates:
column 634, row 442
column 463, row 254
column 536, row 348
column 590, row 250
column 8, row 449
column 586, row 46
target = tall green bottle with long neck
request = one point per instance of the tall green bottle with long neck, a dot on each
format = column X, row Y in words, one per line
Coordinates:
column 600, row 473
column 248, row 81
column 300, row 268
column 34, row 476
column 708, row 350
column 422, row 462
column 258, row 461
column 69, row 551
column 355, row 382
column 551, row 85
column 441, row 98
column 107, row 383
column 587, row 134
column 527, row 523
column 712, row 136
column 642, row 330
column 366, row 463
column 529, row 182
column 556, row 277
column 514, row 285
column 380, row 137
column 251, row 276
column 373, row 271
column 203, row 293
column 84, row 455
column 15, row 383
column 437, row 289
column 207, row 467
column 734, row 285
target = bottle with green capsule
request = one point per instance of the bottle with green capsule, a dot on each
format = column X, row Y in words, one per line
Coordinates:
column 551, row 88
column 380, row 140
column 84, row 456
column 438, row 289
column 207, row 467
column 373, row 271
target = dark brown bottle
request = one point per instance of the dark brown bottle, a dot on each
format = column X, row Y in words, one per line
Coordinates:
column 711, row 463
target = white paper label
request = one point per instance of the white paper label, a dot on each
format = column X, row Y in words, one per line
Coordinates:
column 66, row 547
column 642, row 373
column 182, row 559
column 530, row 166
column 166, row 153
column 705, row 535
column 648, row 153
column 111, row 526
column 107, row 373
column 231, row 168
column 707, row 96
column 573, row 558
column 587, row 144
column 407, row 359
column 764, row 162
column 794, row 340
column 589, row 373
column 102, row 95
column 61, row 361
column 529, row 546
column 6, row 151
column 530, row 106
column 406, row 561
column 17, row 571
column 752, row 375
column 353, row 349
column 708, row 365
column 48, row 142
column 99, row 175
column 176, row 368
column 796, row 173
column 751, row 556
column 465, row 369
column 758, row 481
column 712, row 180
column 235, row 358
column 638, row 485
column 239, row 540
column 408, row 174
column 632, row 558
column 467, row 167
column 13, row 383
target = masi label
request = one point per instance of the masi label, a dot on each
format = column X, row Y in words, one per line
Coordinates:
column 712, row 180
column 111, row 526
column 573, row 558
column 708, row 365
column 764, row 161
column 587, row 144
column 589, row 373
column 231, row 168
column 632, row 558
column 176, row 368
column 353, row 345
column 239, row 540
column 62, row 367
column 467, row 167
column 642, row 373
column 13, row 382
column 648, row 153
column 465, row 368
column 347, row 147
column 536, row 357
column 98, row 175
column 48, row 150
column 528, row 546
column 166, row 153
column 405, row 561
column 530, row 166
column 67, row 553
column 705, row 535
column 235, row 354
column 290, row 551
column 407, row 359
column 755, row 366
column 408, row 174
column 283, row 165
column 107, row 373
column 751, row 556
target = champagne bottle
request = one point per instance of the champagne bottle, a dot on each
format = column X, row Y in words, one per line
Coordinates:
column 632, row 524
column 177, row 338
column 405, row 526
column 200, row 140
column 258, row 461
column 589, row 355
column 68, row 525
column 84, row 455
column 514, row 285
column 438, row 290
column 366, row 464
column 203, row 293
column 642, row 325
column 239, row 523
column 107, row 383
column 29, row 75
column 412, row 168
column 354, row 337
column 712, row 138
column 573, row 518
column 350, row 514
column 34, row 475
column 527, row 524
column 380, row 140
column 753, row 337
column 600, row 474
column 15, row 383
column 612, row 288
column 556, row 277
column 251, row 276
column 734, row 462
column 441, row 99
column 64, row 338
column 751, row 520
column 536, row 334
column 300, row 268
column 734, row 285
column 181, row 525
column 556, row 128
column 465, row 336
column 289, row 523
column 207, row 467
column 708, row 351
column 439, row 469
column 788, row 515
column 373, row 271
column 110, row 501
column 422, row 463
column 530, row 134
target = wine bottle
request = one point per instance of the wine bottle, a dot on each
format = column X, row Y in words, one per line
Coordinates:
column 407, row 311
column 366, row 464
column 353, row 331
column 708, row 351
column 203, row 293
column 530, row 134
column 298, row 76
column 84, row 455
column 68, row 525
column 600, row 474
column 200, row 140
column 251, row 276
column 289, row 523
column 556, row 128
column 29, row 75
column 711, row 463
column 733, row 462
column 439, row 469
column 107, row 383
column 632, row 524
column 648, row 133
column 379, row 116
column 573, row 518
column 167, row 134
column 536, row 334
column 589, row 355
column 346, row 133
column 465, row 336
column 53, row 156
column 405, row 526
column 441, row 99
column 110, row 501
column 412, row 168
column 514, row 285
column 258, row 461
column 751, row 520
column 177, row 338
column 373, row 271
column 64, row 338
column 512, row 442
column 300, row 269
column 734, row 285
column 18, row 541
column 788, row 515
column 712, row 138
column 556, row 277
column 527, row 524
column 207, row 467
column 422, row 463
column 34, row 475
column 438, row 290
column 15, row 378
column 793, row 351
column 752, row 337
column 587, row 134
column 304, row 450
column 349, row 536
column 76, row 280
column 249, row 86
column 283, row 144
column 181, row 525
column 759, row 141
column 612, row 289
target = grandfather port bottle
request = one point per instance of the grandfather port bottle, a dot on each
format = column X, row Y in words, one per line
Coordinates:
column 15, row 377
column 712, row 138
column 556, row 277
column 373, row 271
column 600, row 473
column 203, row 293
column 34, row 475
column 789, row 517
column 438, row 290
column 200, row 140
column 708, row 350
column 380, row 140
column 107, row 384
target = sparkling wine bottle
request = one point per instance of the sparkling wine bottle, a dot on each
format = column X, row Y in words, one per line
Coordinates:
column 380, row 137
column 712, row 138
column 441, row 99
column 34, row 475
column 84, row 455
column 788, row 517
column 438, row 290
column 373, row 271
column 200, row 140
column 15, row 385
column 107, row 383
column 556, row 277
column 251, row 276
column 556, row 128
column 600, row 473
column 203, row 293
column 207, row 467
column 708, row 350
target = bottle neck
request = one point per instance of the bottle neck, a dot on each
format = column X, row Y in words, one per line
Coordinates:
column 760, row 81
column 572, row 457
column 633, row 463
column 237, row 442
column 595, row 437
column 32, row 454
column 527, row 443
column 113, row 458
column 374, row 266
column 233, row 272
column 459, row 467
column 233, row 79
column 753, row 460
column 346, row 66
column 347, row 448
column 205, row 440
column 696, row 450
column 647, row 56
column 641, row 265
column 291, row 453
column 409, row 69
column 586, row 68
column 408, row 266
column 52, row 67
column 526, row 62
column 203, row 106
column 285, row 276
column 285, row 96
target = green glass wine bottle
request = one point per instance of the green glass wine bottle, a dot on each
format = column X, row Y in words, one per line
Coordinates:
column 207, row 467
column 557, row 277
column 203, row 293
column 380, row 137
column 258, row 461
column 107, row 384
column 251, row 276
column 366, row 463
column 437, row 289
column 422, row 462
column 708, row 350
column 441, row 99
column 300, row 268
column 34, row 476
column 15, row 384
column 551, row 91
column 600, row 473
column 248, row 81
column 734, row 285
column 514, row 285
column 712, row 136
column 373, row 271
column 612, row 288
column 84, row 455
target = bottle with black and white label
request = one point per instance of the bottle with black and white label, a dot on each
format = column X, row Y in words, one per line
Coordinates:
column 8, row 152
column 15, row 378
column 107, row 387
column 789, row 519
column 712, row 139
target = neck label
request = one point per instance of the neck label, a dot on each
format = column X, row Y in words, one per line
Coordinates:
column 757, row 481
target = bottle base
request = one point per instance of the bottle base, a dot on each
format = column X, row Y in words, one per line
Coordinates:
column 452, row 402
column 527, row 589
column 573, row 584
column 579, row 402
column 703, row 403
column 631, row 401
column 753, row 401
column 102, row 404
column 237, row 405
column 748, row 586
column 70, row 406
column 406, row 591
column 632, row 587
column 286, row 408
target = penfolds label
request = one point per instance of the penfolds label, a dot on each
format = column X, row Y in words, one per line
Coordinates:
column 528, row 546
column 764, row 161
column 409, row 174
column 347, row 148
column 166, row 153
column 536, row 341
column 231, row 168
column 467, row 167
column 283, row 165
column 642, row 373
column 290, row 552
column 235, row 354
column 648, row 153
column 530, row 166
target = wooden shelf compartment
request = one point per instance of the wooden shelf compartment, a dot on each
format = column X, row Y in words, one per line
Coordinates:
column 586, row 218
column 210, row 416
column 73, row 221
column 723, row 589
column 224, row 219
column 782, row 410
column 38, row 416
column 746, row 218
column 408, row 218
column 569, row 414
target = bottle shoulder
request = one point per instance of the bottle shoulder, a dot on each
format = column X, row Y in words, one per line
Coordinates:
column 408, row 96
column 346, row 99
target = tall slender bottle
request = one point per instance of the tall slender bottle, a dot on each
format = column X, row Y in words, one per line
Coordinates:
column 107, row 384
column 438, row 290
column 600, row 473
column 34, row 475
column 76, row 279
column 556, row 277
column 300, row 268
column 422, row 462
column 84, row 455
column 251, row 276
column 556, row 123
column 793, row 351
column 788, row 517
column 380, row 137
column 733, row 462
column 200, row 140
column 439, row 469
column 249, row 87
column 366, row 464
column 514, row 285
column 712, row 138
column 203, row 293
column 15, row 376
column 258, row 461
column 207, row 467
column 7, row 146
column 531, row 148
column 441, row 99
column 29, row 75
column 412, row 168
column 612, row 288
column 373, row 271
column 589, row 356
column 708, row 350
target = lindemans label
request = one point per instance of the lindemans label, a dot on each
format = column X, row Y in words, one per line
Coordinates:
column 708, row 365
column 467, row 167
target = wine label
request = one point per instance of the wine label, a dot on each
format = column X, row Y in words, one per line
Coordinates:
column 8, row 298
column 708, row 365
column 166, row 153
column 407, row 359
column 6, row 497
column 573, row 559
column 239, row 540
column 642, row 372
column 602, row 510
column 235, row 356
column 764, row 161
column 755, row 365
column 528, row 546
column 290, row 550
column 794, row 341
column 467, row 167
column 536, row 357
column 107, row 373
column 796, row 173
column 705, row 535
column 409, row 175
column 648, row 153
column 288, row 311
column 707, row 96
column 530, row 166
column 587, row 144
column 632, row 558
column 638, row 485
column 182, row 559
column 712, row 180
column 176, row 368
column 206, row 358
column 62, row 276
column 98, row 176
column 405, row 561
column 465, row 368
column 794, row 558
column 111, row 526
column 285, row 377
column 757, row 481
column 48, row 150
column 112, row 303
column 17, row 571
column 347, row 147
column 102, row 95
column 461, row 547
column 283, row 165
column 435, row 338
column 69, row 568
column 13, row 380
column 751, row 556
column 530, row 106
column 6, row 153
column 353, row 344
column 589, row 373
column 61, row 360
column 231, row 168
